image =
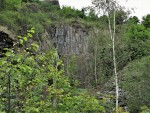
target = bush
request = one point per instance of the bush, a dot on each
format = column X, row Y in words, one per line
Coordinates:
column 135, row 80
column 138, row 41
column 33, row 83
column 68, row 12
column 145, row 109
column 13, row 20
column 12, row 4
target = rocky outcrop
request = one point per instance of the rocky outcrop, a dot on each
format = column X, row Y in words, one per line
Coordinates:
column 6, row 39
column 73, row 41
column 69, row 40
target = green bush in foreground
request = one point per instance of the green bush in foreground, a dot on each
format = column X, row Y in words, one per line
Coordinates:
column 34, row 83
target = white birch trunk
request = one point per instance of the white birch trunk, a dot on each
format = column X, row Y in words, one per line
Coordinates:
column 112, row 37
column 107, row 8
column 115, row 63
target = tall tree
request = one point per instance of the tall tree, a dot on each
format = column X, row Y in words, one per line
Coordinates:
column 107, row 7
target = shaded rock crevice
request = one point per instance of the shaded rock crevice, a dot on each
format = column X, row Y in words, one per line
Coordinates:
column 6, row 39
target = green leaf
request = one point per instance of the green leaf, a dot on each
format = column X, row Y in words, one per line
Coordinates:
column 29, row 35
column 19, row 37
column 32, row 31
column 2, row 62
column 8, row 53
column 6, row 49
column 21, row 41
column 35, row 46
column 25, row 39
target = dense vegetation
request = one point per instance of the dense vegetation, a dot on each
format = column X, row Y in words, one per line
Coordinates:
column 39, row 86
column 46, row 86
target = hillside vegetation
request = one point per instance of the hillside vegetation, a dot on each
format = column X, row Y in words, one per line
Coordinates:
column 33, row 80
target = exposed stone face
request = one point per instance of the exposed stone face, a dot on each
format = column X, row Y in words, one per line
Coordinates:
column 6, row 39
column 70, row 40
column 73, row 40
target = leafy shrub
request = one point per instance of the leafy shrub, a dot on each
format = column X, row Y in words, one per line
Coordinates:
column 24, row 19
column 135, row 80
column 145, row 109
column 68, row 12
column 146, row 21
column 12, row 4
column 46, row 7
column 133, row 20
column 8, row 18
column 138, row 41
column 31, row 82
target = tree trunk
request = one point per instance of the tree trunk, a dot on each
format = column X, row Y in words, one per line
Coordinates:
column 112, row 37
column 115, row 63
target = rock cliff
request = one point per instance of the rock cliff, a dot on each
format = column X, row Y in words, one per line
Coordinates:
column 69, row 40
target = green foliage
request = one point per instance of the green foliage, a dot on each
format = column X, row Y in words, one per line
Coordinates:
column 145, row 109
column 68, row 12
column 121, row 16
column 146, row 21
column 100, row 42
column 120, row 110
column 46, row 7
column 138, row 41
column 133, row 20
column 30, row 0
column 25, row 19
column 41, row 15
column 34, row 83
column 6, row 19
column 71, row 69
column 135, row 80
column 91, row 16
column 104, row 19
column 12, row 4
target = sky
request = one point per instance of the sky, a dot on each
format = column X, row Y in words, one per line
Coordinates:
column 141, row 7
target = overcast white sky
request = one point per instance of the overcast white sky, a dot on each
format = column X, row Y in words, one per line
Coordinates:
column 141, row 7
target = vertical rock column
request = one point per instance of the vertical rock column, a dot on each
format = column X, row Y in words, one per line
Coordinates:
column 72, row 41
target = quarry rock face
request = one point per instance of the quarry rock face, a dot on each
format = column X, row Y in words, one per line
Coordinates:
column 69, row 40
column 72, row 41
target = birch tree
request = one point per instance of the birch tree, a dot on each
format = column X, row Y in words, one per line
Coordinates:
column 107, row 7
